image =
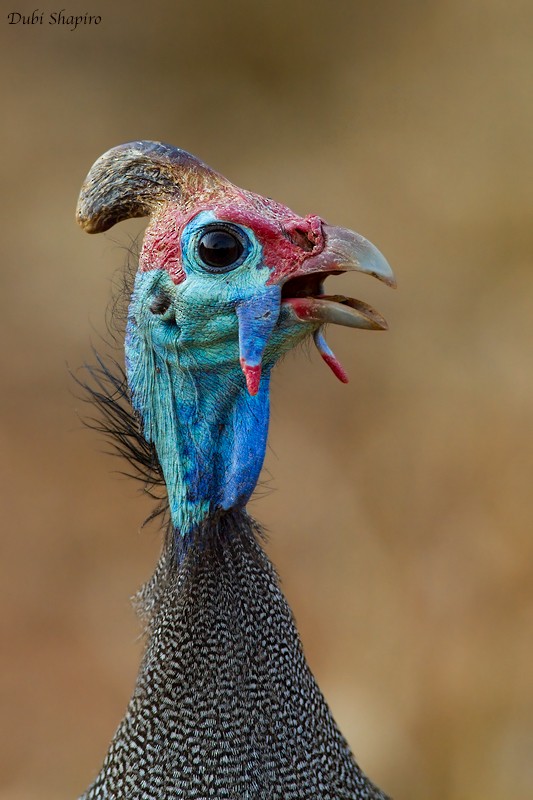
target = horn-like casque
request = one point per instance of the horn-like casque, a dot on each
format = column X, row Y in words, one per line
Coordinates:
column 134, row 179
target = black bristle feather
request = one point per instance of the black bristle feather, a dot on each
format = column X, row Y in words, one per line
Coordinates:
column 104, row 384
column 107, row 388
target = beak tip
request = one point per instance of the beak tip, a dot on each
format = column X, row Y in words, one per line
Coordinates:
column 351, row 251
column 384, row 271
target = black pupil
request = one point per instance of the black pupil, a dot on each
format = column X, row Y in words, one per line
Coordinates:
column 219, row 249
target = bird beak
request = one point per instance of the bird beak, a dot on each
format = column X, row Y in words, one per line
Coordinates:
column 343, row 251
column 303, row 295
column 347, row 251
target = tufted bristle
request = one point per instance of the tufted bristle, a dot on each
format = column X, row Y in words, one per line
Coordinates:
column 105, row 386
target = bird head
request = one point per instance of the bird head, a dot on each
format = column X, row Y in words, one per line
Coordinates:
column 228, row 281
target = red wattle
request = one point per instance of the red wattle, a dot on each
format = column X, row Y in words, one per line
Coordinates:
column 336, row 367
column 252, row 375
column 330, row 358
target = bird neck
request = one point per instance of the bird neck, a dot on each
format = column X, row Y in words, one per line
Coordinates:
column 225, row 704
column 208, row 431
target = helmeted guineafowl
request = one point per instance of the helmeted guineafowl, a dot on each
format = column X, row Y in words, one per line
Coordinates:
column 225, row 705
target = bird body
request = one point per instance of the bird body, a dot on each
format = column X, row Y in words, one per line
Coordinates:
column 225, row 705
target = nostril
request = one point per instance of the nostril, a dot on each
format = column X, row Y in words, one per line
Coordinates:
column 300, row 237
column 305, row 233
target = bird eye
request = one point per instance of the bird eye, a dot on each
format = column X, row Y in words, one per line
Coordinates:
column 220, row 249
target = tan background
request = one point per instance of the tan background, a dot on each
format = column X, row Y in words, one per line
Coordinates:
column 402, row 514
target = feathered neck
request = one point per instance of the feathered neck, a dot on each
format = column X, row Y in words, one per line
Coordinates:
column 225, row 705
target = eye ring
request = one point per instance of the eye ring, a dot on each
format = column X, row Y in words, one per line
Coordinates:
column 221, row 247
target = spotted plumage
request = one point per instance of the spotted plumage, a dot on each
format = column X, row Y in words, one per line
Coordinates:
column 225, row 705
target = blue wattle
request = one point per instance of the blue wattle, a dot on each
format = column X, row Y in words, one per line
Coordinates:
column 209, row 433
column 243, row 444
column 257, row 318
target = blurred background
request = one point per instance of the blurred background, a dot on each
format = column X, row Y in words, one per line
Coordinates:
column 401, row 506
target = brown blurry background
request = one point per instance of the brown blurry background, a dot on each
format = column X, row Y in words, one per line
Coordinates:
column 402, row 513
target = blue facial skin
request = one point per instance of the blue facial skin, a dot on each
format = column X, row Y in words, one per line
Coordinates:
column 185, row 378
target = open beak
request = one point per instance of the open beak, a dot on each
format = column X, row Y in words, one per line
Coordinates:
column 303, row 296
column 344, row 251
column 304, row 301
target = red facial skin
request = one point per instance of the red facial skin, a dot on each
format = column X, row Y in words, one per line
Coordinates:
column 287, row 239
